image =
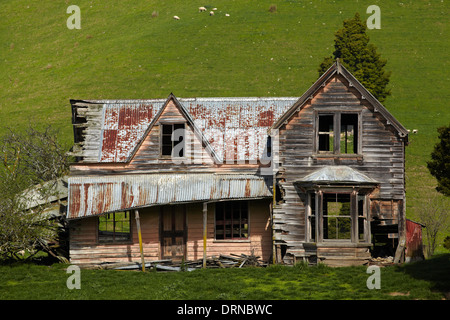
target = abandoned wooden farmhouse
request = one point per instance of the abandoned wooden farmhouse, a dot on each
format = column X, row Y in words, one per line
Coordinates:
column 315, row 178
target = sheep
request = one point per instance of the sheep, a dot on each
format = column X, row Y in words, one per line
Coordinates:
column 211, row 13
column 201, row 9
column 414, row 131
column 176, row 17
column 227, row 15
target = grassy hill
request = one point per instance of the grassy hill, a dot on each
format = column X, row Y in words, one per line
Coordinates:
column 136, row 50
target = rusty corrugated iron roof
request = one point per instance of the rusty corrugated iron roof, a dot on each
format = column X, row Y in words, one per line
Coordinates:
column 94, row 195
column 236, row 128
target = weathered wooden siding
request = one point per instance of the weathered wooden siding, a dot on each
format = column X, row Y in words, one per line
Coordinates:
column 260, row 235
column 149, row 150
column 85, row 250
column 381, row 158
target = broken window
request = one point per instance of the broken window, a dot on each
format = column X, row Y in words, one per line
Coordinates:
column 349, row 133
column 326, row 133
column 312, row 218
column 114, row 227
column 362, row 218
column 337, row 224
column 340, row 137
column 341, row 216
column 231, row 220
column 172, row 140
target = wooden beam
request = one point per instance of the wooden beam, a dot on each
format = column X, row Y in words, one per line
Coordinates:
column 205, row 221
column 138, row 224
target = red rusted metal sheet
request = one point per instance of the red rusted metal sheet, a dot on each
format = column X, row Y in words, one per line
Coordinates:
column 236, row 128
column 414, row 248
column 123, row 125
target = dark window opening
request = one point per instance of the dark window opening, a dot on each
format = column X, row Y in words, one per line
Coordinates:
column 339, row 138
column 114, row 227
column 269, row 147
column 326, row 133
column 231, row 220
column 172, row 140
column 312, row 217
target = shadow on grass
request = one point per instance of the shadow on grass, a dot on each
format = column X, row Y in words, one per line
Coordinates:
column 435, row 270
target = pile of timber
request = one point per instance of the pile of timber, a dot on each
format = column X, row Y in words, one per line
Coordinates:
column 382, row 261
column 222, row 261
column 229, row 261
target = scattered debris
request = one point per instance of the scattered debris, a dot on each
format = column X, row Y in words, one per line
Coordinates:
column 222, row 261
column 382, row 261
column 395, row 294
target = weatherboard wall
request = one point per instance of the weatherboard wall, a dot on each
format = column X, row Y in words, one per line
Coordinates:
column 86, row 250
column 381, row 158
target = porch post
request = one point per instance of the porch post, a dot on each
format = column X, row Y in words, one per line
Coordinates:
column 205, row 220
column 138, row 224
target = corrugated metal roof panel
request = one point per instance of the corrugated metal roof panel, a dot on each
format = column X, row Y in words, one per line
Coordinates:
column 236, row 128
column 123, row 125
column 337, row 174
column 91, row 195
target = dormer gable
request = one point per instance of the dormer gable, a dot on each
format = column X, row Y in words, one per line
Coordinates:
column 173, row 135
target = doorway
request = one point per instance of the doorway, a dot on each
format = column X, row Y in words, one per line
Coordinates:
column 173, row 232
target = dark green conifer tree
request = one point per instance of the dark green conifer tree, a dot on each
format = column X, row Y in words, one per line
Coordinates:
column 439, row 165
column 360, row 57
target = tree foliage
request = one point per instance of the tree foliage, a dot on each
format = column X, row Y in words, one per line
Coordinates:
column 30, row 164
column 360, row 57
column 434, row 214
column 439, row 165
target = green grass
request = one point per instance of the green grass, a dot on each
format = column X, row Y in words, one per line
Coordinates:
column 422, row 280
column 122, row 52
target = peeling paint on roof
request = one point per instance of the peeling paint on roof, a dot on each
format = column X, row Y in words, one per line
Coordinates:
column 236, row 128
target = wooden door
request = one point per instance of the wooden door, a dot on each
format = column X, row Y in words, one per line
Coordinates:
column 173, row 232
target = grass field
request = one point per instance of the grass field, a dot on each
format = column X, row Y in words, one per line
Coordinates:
column 136, row 50
column 422, row 280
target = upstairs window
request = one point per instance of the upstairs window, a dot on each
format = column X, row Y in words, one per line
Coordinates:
column 172, row 140
column 337, row 133
column 326, row 133
column 349, row 133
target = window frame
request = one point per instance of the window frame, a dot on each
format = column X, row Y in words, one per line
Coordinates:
column 101, row 239
column 337, row 117
column 222, row 222
column 326, row 216
column 359, row 219
column 174, row 143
